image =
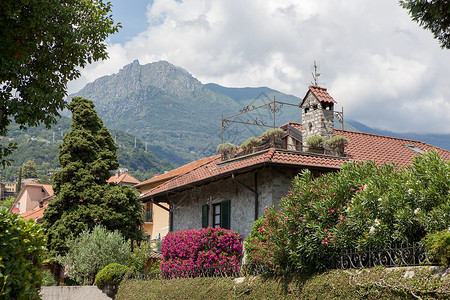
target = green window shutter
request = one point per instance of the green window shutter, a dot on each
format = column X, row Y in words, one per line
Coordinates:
column 225, row 210
column 205, row 215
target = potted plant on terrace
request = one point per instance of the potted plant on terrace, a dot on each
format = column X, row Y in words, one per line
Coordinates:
column 227, row 150
column 250, row 144
column 274, row 136
column 315, row 144
column 337, row 144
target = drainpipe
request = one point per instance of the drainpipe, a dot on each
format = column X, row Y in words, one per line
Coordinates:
column 253, row 190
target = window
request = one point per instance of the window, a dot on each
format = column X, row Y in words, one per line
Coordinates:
column 220, row 215
column 216, row 216
column 148, row 212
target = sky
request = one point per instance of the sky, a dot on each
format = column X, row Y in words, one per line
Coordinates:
column 383, row 69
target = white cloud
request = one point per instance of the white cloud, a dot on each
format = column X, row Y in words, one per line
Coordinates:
column 375, row 61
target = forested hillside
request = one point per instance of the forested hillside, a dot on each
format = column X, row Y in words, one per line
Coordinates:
column 40, row 145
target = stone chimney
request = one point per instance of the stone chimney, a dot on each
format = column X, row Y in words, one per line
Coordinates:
column 317, row 114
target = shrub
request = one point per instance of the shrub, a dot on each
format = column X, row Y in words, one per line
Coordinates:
column 188, row 250
column 315, row 141
column 48, row 279
column 21, row 253
column 227, row 150
column 92, row 251
column 361, row 206
column 249, row 144
column 111, row 274
column 337, row 143
column 438, row 246
column 274, row 135
column 140, row 256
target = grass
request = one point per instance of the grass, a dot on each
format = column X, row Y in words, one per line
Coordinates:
column 374, row 283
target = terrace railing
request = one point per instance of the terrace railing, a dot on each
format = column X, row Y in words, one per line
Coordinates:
column 396, row 256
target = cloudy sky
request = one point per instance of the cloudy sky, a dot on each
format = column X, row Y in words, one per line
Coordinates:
column 385, row 70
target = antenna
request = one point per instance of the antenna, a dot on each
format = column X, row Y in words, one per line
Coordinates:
column 315, row 75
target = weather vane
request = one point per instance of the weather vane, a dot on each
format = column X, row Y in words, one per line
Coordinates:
column 315, row 75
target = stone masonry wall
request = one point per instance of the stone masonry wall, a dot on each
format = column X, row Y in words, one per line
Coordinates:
column 273, row 183
column 316, row 121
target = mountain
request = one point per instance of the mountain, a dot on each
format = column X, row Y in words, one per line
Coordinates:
column 177, row 115
column 41, row 145
column 439, row 140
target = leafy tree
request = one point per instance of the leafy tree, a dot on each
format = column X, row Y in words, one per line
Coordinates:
column 432, row 15
column 21, row 253
column 43, row 44
column 7, row 202
column 29, row 169
column 84, row 199
column 93, row 250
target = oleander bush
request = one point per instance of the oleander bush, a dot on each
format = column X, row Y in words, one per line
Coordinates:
column 361, row 206
column 189, row 250
column 111, row 274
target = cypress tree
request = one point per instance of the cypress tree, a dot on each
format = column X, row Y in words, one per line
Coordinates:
column 83, row 197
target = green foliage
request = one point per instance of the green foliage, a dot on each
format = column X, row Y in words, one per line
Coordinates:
column 336, row 142
column 21, row 253
column 249, row 144
column 111, row 274
column 37, row 38
column 29, row 169
column 41, row 145
column 226, row 148
column 438, row 246
column 315, row 141
column 373, row 283
column 274, row 136
column 93, row 250
column 7, row 202
column 48, row 279
column 431, row 15
column 360, row 206
column 140, row 256
column 84, row 199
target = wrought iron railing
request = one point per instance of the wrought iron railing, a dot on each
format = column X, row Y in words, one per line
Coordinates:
column 222, row 271
column 396, row 256
column 148, row 216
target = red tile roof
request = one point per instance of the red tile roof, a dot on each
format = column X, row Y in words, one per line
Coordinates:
column 176, row 172
column 320, row 93
column 362, row 147
column 125, row 178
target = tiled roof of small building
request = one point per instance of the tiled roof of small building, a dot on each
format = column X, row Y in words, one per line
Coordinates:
column 321, row 94
column 125, row 178
column 176, row 172
column 362, row 147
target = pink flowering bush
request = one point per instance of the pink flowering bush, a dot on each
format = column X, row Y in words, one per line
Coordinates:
column 363, row 205
column 186, row 252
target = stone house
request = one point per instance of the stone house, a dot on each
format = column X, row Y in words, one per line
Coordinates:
column 233, row 193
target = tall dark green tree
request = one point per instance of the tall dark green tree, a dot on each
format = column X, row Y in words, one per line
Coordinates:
column 83, row 197
column 433, row 15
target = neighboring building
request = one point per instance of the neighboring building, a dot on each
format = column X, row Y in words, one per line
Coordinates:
column 30, row 197
column 37, row 213
column 123, row 179
column 233, row 193
column 156, row 215
column 7, row 189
